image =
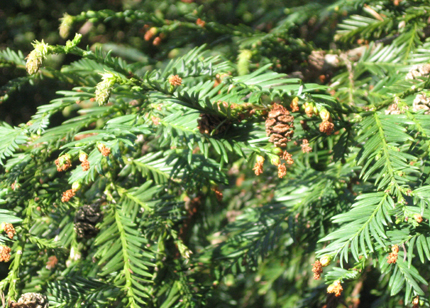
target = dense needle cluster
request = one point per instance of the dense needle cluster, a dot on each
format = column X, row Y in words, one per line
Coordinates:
column 231, row 96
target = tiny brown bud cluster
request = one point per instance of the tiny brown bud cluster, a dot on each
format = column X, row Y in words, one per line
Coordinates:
column 282, row 170
column 4, row 253
column 63, row 162
column 288, row 158
column 218, row 193
column 305, row 146
column 52, row 262
column 418, row 218
column 67, row 195
column 392, row 257
column 175, row 80
column 9, row 229
column 335, row 288
column 200, row 23
column 326, row 127
column 155, row 120
column 85, row 164
column 258, row 167
column 317, row 269
column 103, row 149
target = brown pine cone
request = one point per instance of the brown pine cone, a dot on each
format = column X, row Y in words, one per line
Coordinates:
column 86, row 219
column 31, row 300
column 67, row 195
column 208, row 122
column 279, row 126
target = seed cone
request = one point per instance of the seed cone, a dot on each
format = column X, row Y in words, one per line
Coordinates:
column 209, row 122
column 31, row 300
column 86, row 219
column 279, row 126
